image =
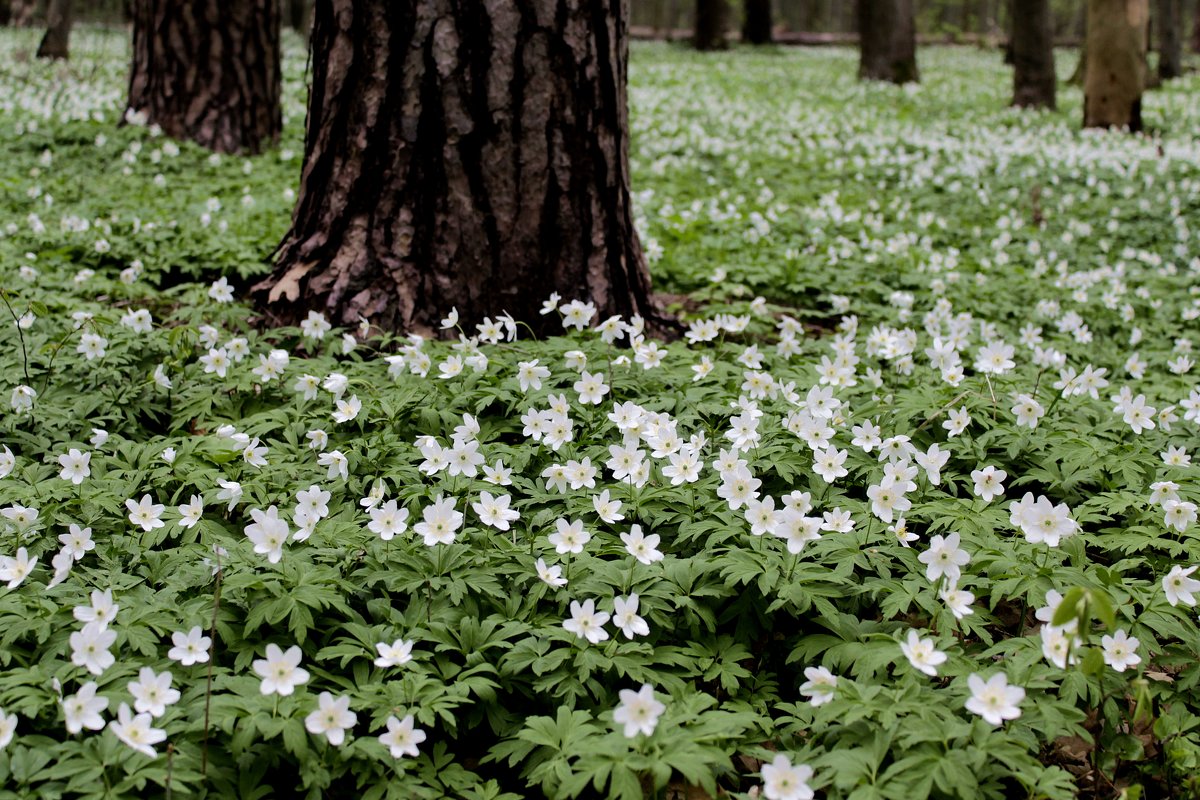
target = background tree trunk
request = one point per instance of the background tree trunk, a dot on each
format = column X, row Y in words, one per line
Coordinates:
column 208, row 71
column 710, row 25
column 1116, row 64
column 1170, row 39
column 887, row 41
column 1034, row 81
column 756, row 29
column 56, row 41
column 463, row 156
column 20, row 13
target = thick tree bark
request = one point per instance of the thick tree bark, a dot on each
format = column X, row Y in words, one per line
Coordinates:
column 463, row 156
column 756, row 28
column 1170, row 39
column 208, row 71
column 711, row 24
column 20, row 13
column 887, row 41
column 56, row 41
column 1116, row 63
column 1034, row 81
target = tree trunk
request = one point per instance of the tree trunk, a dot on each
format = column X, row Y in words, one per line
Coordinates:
column 56, row 41
column 756, row 29
column 1034, row 81
column 1170, row 39
column 208, row 71
column 711, row 24
column 887, row 41
column 299, row 16
column 20, row 13
column 463, row 156
column 1116, row 64
column 1196, row 29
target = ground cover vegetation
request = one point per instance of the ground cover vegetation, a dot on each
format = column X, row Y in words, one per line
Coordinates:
column 910, row 510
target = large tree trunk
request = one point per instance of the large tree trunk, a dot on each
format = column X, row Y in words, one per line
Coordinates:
column 756, row 28
column 56, row 41
column 1116, row 63
column 1170, row 39
column 20, row 13
column 887, row 41
column 1034, row 81
column 463, row 156
column 710, row 25
column 208, row 71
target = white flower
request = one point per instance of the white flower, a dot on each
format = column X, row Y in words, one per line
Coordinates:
column 138, row 731
column 944, row 557
column 190, row 648
column 191, row 512
column 332, row 718
column 315, row 326
column 989, row 482
column 1028, row 411
column 396, row 654
column 152, row 692
column 268, row 533
column 14, row 570
column 338, row 465
column 7, row 462
column 642, row 547
column 626, row 618
column 440, row 522
column 819, row 686
column 1179, row 514
column 91, row 346
column 8, row 728
column 77, row 541
column 280, row 670
column 76, row 465
column 82, row 709
column 1179, row 587
column 145, row 513
column 994, row 700
column 591, row 388
column 551, row 576
column 932, row 462
column 958, row 601
column 89, row 647
column 922, row 653
column 1120, row 650
column 782, row 781
column 494, row 511
column 586, row 622
column 569, row 537
column 102, row 610
column 231, row 491
column 639, row 711
column 388, row 520
column 828, row 464
column 22, row 399
column 347, row 410
column 402, row 738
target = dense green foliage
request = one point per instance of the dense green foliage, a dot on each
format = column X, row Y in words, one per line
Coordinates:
column 858, row 263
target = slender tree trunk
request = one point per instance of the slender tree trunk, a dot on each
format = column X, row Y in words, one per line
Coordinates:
column 5, row 12
column 710, row 25
column 56, row 41
column 1034, row 81
column 887, row 41
column 1116, row 65
column 297, row 16
column 208, row 71
column 756, row 28
column 463, row 156
column 1196, row 29
column 1170, row 39
column 20, row 13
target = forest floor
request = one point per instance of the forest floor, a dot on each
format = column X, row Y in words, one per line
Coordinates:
column 910, row 511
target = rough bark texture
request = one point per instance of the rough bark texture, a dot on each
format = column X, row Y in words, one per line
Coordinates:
column 887, row 41
column 711, row 24
column 208, row 71
column 1034, row 80
column 1116, row 64
column 756, row 28
column 1170, row 39
column 20, row 13
column 463, row 155
column 56, row 41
